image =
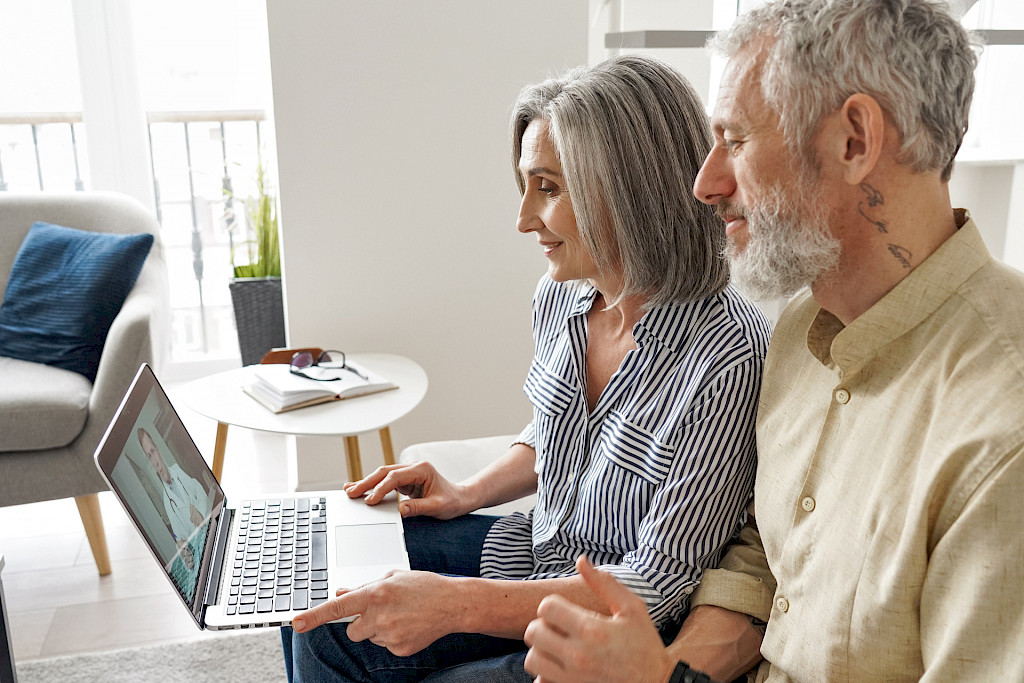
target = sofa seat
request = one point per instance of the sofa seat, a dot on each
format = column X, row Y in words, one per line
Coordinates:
column 459, row 460
column 40, row 406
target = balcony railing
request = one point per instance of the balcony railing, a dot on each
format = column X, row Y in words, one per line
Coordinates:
column 22, row 133
column 201, row 161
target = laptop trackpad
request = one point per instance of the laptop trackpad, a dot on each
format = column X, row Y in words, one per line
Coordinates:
column 361, row 545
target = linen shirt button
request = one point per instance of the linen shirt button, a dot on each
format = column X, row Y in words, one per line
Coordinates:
column 843, row 396
column 782, row 604
column 688, row 590
column 807, row 503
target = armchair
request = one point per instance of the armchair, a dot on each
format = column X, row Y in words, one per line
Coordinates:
column 52, row 419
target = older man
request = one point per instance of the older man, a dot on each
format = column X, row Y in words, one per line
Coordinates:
column 890, row 482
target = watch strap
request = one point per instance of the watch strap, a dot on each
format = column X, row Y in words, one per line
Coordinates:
column 684, row 674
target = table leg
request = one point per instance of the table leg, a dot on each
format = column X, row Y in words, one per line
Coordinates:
column 355, row 464
column 385, row 445
column 8, row 674
column 218, row 449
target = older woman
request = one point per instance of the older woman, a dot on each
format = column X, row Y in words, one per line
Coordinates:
column 644, row 383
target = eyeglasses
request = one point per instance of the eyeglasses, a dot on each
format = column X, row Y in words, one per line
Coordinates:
column 328, row 360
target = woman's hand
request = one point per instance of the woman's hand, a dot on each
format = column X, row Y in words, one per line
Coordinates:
column 404, row 611
column 429, row 493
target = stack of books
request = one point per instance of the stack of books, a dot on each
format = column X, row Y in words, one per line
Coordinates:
column 278, row 390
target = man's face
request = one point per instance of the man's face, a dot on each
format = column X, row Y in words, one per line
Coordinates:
column 155, row 458
column 776, row 217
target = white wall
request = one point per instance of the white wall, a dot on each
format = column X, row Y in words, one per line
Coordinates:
column 398, row 203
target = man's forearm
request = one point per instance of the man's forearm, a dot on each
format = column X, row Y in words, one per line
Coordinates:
column 721, row 643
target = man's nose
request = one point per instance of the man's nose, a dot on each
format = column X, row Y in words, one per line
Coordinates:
column 715, row 180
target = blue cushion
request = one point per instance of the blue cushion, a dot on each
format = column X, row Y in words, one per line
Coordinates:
column 64, row 290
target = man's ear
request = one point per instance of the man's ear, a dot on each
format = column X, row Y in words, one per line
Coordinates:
column 859, row 135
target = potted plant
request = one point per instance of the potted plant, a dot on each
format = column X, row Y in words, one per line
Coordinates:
column 256, row 288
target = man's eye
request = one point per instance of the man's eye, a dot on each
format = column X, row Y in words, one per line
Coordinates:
column 732, row 145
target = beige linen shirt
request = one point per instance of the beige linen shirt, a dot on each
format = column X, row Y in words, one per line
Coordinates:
column 890, row 483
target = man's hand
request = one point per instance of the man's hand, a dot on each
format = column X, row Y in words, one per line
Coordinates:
column 404, row 611
column 572, row 644
column 186, row 554
column 721, row 643
column 429, row 493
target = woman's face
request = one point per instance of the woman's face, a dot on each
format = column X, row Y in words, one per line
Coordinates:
column 547, row 210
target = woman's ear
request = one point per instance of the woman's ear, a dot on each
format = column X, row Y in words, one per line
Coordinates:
column 859, row 127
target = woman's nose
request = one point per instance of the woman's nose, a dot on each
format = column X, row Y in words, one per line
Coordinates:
column 528, row 220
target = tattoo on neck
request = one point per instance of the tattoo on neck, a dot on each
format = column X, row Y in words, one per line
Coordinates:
column 874, row 198
column 901, row 254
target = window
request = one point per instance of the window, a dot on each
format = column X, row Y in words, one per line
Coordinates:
column 204, row 85
column 40, row 103
column 204, row 80
column 994, row 129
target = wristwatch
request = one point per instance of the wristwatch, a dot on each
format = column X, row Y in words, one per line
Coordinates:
column 684, row 674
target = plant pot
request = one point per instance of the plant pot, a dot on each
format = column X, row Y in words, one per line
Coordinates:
column 259, row 315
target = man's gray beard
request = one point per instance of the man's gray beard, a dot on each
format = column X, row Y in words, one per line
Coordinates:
column 788, row 247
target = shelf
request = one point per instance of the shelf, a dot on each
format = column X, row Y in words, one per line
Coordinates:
column 1012, row 155
column 635, row 39
column 668, row 39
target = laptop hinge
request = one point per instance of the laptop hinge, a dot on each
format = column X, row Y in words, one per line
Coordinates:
column 220, row 551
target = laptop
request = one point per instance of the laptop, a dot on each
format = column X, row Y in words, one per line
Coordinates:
column 258, row 564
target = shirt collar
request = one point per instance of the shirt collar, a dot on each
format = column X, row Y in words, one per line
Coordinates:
column 668, row 323
column 915, row 298
column 585, row 295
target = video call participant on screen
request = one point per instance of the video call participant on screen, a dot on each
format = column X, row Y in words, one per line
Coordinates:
column 183, row 496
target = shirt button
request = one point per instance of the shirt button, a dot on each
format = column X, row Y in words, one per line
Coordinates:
column 843, row 396
column 807, row 503
column 688, row 590
column 782, row 604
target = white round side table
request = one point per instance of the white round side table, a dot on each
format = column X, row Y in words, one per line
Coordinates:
column 221, row 398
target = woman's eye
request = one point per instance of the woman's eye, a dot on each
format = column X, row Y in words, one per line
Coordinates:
column 548, row 188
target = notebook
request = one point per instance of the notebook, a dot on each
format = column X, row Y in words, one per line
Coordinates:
column 258, row 564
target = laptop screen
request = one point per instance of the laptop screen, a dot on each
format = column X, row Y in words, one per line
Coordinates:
column 163, row 482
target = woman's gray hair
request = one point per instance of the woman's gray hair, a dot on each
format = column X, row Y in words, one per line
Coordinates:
column 912, row 56
column 631, row 135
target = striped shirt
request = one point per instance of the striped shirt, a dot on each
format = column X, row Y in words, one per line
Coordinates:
column 654, row 481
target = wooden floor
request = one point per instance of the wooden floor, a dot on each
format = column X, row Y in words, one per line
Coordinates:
column 57, row 604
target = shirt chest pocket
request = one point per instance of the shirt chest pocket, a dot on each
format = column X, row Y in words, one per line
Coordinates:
column 627, row 448
column 550, row 395
column 558, row 430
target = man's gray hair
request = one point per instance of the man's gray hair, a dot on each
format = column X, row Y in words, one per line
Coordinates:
column 631, row 135
column 912, row 56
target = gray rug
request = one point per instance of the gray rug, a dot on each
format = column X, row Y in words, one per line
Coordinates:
column 247, row 656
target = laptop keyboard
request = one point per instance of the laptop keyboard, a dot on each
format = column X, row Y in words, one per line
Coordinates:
column 280, row 557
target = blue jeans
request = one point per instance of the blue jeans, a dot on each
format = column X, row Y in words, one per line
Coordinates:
column 447, row 547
